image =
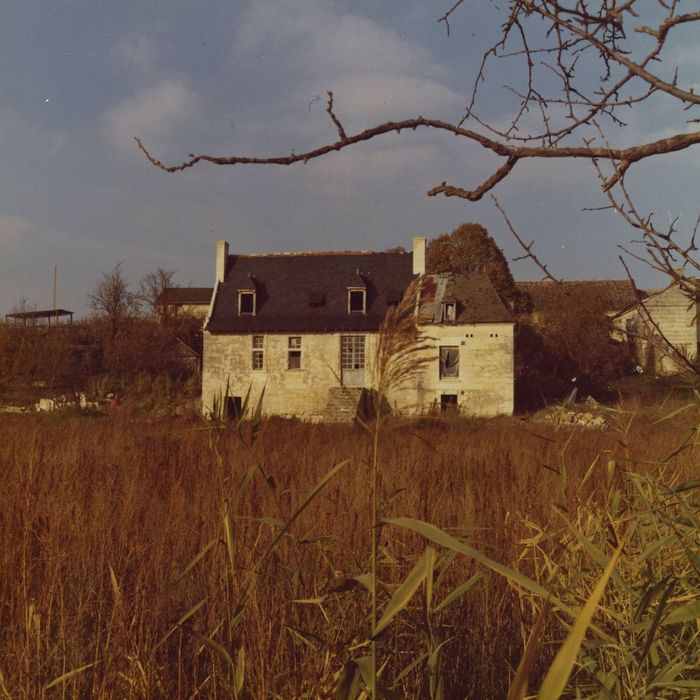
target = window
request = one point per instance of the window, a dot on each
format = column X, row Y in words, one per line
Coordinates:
column 448, row 402
column 294, row 352
column 246, row 303
column 258, row 358
column 449, row 311
column 449, row 362
column 356, row 301
column 233, row 407
column 352, row 352
column 352, row 360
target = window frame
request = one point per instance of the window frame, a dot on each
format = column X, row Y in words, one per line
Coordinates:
column 294, row 346
column 443, row 369
column 449, row 403
column 449, row 306
column 246, row 293
column 357, row 290
column 257, row 353
column 353, row 352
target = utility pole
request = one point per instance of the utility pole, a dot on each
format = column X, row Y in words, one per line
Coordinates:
column 55, row 275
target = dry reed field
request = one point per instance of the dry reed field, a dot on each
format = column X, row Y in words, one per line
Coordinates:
column 170, row 559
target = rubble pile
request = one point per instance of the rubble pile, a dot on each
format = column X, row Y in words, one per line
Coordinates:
column 567, row 415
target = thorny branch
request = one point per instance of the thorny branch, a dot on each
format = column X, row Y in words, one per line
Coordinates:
column 582, row 63
column 573, row 33
column 633, row 154
column 663, row 250
column 527, row 247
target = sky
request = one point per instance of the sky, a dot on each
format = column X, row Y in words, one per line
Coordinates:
column 79, row 79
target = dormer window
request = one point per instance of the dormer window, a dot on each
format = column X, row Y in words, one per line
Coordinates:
column 449, row 311
column 357, row 301
column 246, row 302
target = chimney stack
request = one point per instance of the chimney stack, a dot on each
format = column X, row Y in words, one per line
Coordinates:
column 419, row 255
column 221, row 258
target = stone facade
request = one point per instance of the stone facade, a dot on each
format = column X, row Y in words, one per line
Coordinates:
column 302, row 392
column 299, row 333
column 662, row 330
column 483, row 385
column 485, row 381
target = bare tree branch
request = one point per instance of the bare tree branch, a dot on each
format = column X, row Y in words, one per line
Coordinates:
column 527, row 247
column 630, row 155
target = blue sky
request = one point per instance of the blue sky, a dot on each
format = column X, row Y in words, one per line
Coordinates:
column 78, row 80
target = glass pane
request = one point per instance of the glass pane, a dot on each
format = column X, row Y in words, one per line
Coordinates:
column 294, row 360
column 357, row 301
column 247, row 302
column 352, row 352
column 449, row 362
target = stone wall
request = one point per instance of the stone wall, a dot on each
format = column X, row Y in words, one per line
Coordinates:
column 484, row 386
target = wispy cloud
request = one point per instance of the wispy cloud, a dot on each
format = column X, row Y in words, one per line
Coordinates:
column 14, row 230
column 373, row 72
column 137, row 53
column 329, row 39
column 154, row 115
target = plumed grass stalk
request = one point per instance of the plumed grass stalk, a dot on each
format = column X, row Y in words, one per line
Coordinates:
column 402, row 352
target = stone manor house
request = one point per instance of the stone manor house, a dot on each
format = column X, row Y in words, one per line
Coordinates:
column 303, row 328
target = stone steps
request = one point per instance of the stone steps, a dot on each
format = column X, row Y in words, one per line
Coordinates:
column 342, row 404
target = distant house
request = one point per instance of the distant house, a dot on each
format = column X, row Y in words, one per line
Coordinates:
column 611, row 295
column 661, row 326
column 662, row 329
column 304, row 329
column 174, row 301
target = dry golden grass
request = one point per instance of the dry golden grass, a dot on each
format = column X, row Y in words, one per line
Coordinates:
column 99, row 517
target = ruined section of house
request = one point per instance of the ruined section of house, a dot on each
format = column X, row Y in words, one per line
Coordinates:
column 304, row 328
column 661, row 326
column 662, row 329
column 611, row 295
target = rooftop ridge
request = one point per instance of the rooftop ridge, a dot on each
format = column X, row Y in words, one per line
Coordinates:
column 548, row 281
column 315, row 253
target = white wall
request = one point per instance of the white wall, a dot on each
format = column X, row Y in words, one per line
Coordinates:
column 484, row 386
column 674, row 317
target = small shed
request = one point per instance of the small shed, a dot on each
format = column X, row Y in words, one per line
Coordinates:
column 35, row 317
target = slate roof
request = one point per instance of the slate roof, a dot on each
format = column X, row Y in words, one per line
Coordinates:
column 474, row 294
column 615, row 295
column 308, row 292
column 185, row 295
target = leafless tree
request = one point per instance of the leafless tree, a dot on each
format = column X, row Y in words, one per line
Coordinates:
column 24, row 306
column 583, row 64
column 112, row 299
column 152, row 286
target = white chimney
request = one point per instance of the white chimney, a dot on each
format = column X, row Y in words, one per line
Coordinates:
column 221, row 258
column 419, row 255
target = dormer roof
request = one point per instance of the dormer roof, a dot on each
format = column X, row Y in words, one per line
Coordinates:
column 308, row 292
column 473, row 294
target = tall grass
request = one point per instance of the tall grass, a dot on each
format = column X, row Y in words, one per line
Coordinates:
column 117, row 577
